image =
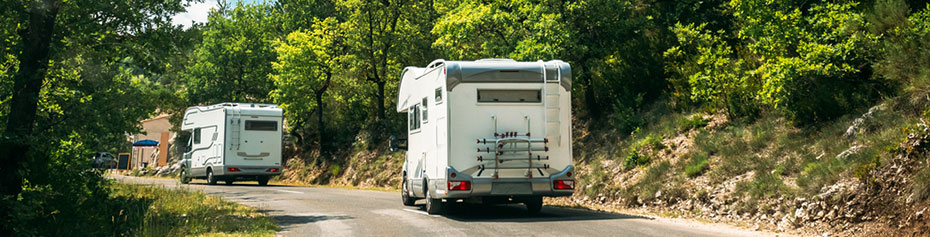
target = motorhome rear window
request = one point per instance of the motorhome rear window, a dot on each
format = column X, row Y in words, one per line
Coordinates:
column 509, row 96
column 261, row 125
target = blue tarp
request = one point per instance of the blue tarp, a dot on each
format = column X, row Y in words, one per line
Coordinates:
column 146, row 142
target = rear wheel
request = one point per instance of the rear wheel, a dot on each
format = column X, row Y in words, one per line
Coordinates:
column 533, row 204
column 433, row 206
column 404, row 194
column 183, row 176
column 263, row 180
column 211, row 180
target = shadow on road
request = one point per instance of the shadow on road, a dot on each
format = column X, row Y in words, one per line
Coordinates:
column 240, row 184
column 465, row 212
column 286, row 221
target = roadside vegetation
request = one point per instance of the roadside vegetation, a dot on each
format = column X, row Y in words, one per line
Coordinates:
column 159, row 211
column 787, row 114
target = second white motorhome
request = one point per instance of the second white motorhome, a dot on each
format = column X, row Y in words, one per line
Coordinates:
column 491, row 131
column 232, row 141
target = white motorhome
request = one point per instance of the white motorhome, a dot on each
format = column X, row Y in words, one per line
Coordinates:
column 491, row 131
column 232, row 141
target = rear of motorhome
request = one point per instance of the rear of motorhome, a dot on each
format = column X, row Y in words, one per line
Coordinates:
column 232, row 141
column 492, row 131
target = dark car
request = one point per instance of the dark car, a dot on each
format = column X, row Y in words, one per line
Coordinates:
column 103, row 160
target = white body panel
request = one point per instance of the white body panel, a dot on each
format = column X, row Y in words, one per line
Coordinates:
column 246, row 137
column 448, row 140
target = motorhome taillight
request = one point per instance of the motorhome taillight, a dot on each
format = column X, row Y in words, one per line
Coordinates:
column 569, row 174
column 459, row 185
column 563, row 184
column 452, row 175
column 272, row 170
column 231, row 169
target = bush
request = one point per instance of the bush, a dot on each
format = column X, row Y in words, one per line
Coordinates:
column 695, row 121
column 697, row 165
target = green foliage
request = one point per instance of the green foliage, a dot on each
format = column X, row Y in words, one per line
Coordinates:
column 809, row 60
column 906, row 46
column 158, row 211
column 640, row 152
column 714, row 76
column 232, row 62
column 692, row 122
column 696, row 165
column 309, row 64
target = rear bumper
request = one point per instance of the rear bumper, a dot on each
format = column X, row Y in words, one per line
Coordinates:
column 485, row 187
column 223, row 170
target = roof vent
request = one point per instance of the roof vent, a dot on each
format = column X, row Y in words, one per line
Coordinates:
column 496, row 60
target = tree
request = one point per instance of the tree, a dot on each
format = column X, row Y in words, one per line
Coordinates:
column 385, row 36
column 308, row 61
column 16, row 141
column 72, row 64
column 232, row 62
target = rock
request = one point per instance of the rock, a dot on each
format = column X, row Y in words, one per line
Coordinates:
column 826, row 234
column 800, row 214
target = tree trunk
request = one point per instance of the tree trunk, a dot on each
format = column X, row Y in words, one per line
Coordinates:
column 15, row 143
column 381, row 115
column 320, row 125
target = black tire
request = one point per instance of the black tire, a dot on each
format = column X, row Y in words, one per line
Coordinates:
column 211, row 180
column 433, row 206
column 229, row 181
column 408, row 201
column 263, row 181
column 183, row 176
column 534, row 204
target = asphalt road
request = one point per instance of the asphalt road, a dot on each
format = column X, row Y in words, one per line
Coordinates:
column 314, row 211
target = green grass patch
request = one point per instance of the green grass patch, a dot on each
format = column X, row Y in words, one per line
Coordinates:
column 695, row 121
column 158, row 211
column 697, row 165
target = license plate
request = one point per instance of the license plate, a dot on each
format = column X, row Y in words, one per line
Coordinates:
column 511, row 189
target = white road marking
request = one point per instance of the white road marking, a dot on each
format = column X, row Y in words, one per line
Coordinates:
column 418, row 212
column 288, row 191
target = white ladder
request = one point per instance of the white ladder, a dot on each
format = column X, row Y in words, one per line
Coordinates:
column 552, row 103
column 234, row 128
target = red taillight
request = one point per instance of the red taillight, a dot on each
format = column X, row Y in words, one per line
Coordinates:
column 563, row 184
column 272, row 170
column 459, row 185
column 569, row 174
column 230, row 169
column 452, row 175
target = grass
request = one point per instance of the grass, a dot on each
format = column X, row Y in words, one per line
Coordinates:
column 697, row 165
column 159, row 211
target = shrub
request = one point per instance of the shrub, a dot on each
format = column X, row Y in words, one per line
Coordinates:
column 695, row 121
column 697, row 165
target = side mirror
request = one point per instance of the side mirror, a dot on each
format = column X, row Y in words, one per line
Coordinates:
column 395, row 143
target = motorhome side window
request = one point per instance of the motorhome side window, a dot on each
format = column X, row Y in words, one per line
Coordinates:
column 197, row 136
column 424, row 108
column 438, row 95
column 259, row 125
column 413, row 115
column 509, row 96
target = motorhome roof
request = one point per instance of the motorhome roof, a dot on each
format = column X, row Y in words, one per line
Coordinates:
column 243, row 106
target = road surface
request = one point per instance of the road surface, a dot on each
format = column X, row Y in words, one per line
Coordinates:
column 315, row 211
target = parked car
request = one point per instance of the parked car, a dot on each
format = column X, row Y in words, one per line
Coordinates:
column 103, row 160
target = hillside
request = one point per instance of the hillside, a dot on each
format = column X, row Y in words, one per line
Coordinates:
column 865, row 173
